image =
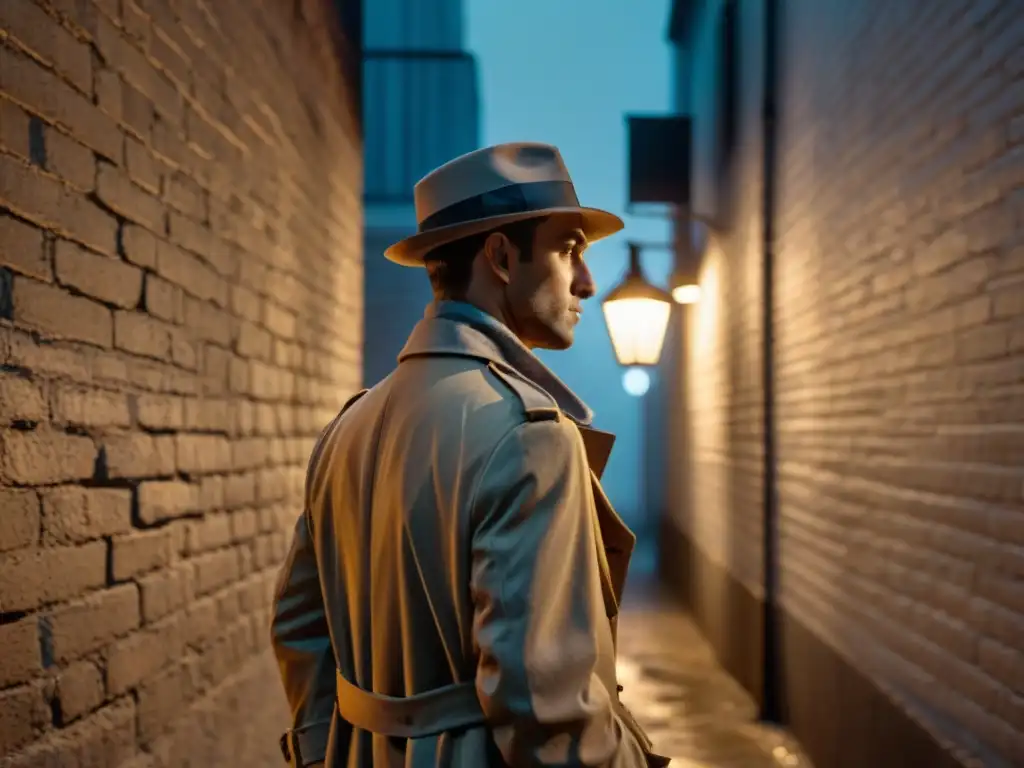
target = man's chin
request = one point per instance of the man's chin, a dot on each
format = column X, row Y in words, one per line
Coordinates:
column 557, row 340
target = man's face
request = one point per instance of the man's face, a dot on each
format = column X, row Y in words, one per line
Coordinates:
column 546, row 288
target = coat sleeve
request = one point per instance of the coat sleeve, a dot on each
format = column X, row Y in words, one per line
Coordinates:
column 302, row 645
column 299, row 632
column 538, row 605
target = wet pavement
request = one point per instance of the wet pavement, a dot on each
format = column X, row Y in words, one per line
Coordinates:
column 692, row 710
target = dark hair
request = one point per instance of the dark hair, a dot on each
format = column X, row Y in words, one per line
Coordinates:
column 450, row 266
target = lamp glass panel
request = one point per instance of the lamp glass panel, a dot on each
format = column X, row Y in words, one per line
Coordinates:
column 637, row 329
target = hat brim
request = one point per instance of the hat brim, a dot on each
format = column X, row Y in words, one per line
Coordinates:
column 596, row 224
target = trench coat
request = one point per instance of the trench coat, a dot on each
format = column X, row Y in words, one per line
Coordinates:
column 456, row 538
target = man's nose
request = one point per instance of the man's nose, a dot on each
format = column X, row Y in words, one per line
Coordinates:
column 583, row 282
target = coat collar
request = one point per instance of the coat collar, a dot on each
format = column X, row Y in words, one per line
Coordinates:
column 458, row 328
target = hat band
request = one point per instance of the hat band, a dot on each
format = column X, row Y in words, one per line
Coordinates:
column 515, row 198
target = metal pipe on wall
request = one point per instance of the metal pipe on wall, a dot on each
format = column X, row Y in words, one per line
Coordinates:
column 771, row 704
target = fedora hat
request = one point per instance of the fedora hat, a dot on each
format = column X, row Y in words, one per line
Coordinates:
column 490, row 187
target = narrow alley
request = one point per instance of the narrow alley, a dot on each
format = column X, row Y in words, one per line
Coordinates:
column 821, row 406
column 693, row 710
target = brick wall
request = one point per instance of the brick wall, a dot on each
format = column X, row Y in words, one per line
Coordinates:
column 901, row 352
column 180, row 304
column 900, row 358
column 723, row 412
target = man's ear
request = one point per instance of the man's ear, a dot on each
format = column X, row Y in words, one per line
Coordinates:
column 498, row 252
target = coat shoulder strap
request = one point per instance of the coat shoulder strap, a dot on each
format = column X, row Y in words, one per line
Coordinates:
column 352, row 400
column 538, row 404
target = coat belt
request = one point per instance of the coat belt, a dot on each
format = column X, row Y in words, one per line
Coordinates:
column 441, row 710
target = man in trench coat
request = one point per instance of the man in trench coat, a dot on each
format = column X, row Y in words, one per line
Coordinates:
column 451, row 593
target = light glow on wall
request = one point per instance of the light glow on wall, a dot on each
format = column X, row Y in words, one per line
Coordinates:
column 706, row 327
column 706, row 369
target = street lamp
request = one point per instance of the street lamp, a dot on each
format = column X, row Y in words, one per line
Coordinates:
column 684, row 287
column 637, row 313
column 684, row 284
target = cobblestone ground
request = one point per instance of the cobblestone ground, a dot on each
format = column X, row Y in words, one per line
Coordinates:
column 693, row 711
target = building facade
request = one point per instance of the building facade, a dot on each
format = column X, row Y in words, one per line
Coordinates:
column 421, row 109
column 843, row 494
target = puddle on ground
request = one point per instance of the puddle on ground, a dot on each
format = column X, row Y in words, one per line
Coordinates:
column 691, row 709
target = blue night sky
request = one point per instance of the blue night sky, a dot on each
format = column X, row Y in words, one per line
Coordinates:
column 567, row 72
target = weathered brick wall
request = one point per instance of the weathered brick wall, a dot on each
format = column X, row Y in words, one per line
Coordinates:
column 721, row 339
column 900, row 352
column 180, row 303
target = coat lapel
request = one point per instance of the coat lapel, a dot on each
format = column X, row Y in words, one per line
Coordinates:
column 615, row 545
column 615, row 539
column 599, row 447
